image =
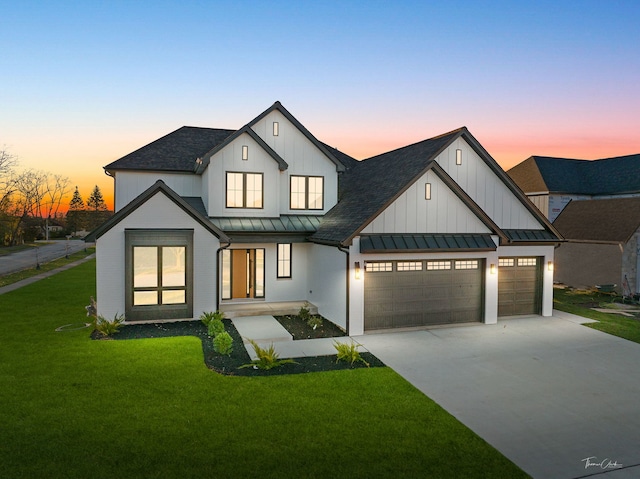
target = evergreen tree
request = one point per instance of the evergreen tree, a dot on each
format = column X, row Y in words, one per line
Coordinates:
column 76, row 203
column 76, row 215
column 96, row 201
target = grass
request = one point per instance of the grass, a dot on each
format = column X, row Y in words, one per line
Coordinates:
column 5, row 250
column 44, row 267
column 580, row 303
column 77, row 408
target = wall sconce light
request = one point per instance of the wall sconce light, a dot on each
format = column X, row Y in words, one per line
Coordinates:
column 550, row 265
column 492, row 268
column 357, row 269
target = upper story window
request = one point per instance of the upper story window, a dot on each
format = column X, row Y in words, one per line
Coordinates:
column 307, row 193
column 244, row 190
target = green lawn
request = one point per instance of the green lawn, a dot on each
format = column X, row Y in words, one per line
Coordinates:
column 580, row 303
column 76, row 408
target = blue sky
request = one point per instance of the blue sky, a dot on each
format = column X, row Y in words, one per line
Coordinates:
column 85, row 83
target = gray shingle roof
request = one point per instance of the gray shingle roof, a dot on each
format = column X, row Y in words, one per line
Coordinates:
column 612, row 220
column 617, row 175
column 176, row 151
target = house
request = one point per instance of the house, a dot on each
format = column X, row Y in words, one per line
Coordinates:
column 207, row 218
column 550, row 183
column 602, row 244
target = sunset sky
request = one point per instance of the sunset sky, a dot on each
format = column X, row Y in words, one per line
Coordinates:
column 84, row 83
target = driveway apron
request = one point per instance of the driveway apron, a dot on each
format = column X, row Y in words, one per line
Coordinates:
column 557, row 398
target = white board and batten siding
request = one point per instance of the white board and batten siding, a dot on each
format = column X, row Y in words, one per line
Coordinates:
column 128, row 185
column 412, row 213
column 485, row 188
column 158, row 212
column 303, row 158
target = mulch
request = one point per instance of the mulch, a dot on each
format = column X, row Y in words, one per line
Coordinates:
column 231, row 365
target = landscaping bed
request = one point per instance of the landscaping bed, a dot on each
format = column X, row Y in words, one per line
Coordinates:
column 231, row 365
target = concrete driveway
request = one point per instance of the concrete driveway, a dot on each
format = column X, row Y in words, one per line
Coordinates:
column 557, row 398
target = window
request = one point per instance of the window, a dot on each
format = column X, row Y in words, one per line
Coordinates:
column 471, row 264
column 307, row 193
column 427, row 191
column 245, row 152
column 458, row 157
column 244, row 190
column 284, row 260
column 158, row 279
column 378, row 267
column 276, row 128
column 409, row 266
column 506, row 262
column 527, row 261
column 438, row 265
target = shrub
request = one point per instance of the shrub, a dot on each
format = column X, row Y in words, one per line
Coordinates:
column 314, row 321
column 223, row 343
column 107, row 327
column 207, row 317
column 348, row 352
column 267, row 358
column 304, row 314
column 215, row 327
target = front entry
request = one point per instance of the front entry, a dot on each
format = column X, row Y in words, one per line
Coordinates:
column 243, row 273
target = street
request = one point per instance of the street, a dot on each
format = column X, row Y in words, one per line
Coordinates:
column 42, row 254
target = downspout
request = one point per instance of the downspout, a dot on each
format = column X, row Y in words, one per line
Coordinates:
column 218, row 274
column 346, row 251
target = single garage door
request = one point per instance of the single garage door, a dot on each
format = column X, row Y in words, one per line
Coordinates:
column 519, row 286
column 401, row 294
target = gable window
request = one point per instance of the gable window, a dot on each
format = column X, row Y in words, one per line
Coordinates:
column 306, row 193
column 276, row 128
column 159, row 273
column 458, row 156
column 245, row 152
column 284, row 260
column 244, row 190
column 427, row 191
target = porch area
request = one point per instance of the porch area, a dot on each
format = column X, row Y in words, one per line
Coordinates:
column 278, row 308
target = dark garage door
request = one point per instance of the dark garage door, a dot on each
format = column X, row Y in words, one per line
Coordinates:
column 519, row 286
column 401, row 294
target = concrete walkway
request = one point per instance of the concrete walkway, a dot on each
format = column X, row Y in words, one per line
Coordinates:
column 558, row 399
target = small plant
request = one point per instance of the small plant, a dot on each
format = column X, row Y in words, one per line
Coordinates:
column 223, row 343
column 304, row 314
column 207, row 317
column 92, row 309
column 215, row 327
column 314, row 321
column 348, row 352
column 267, row 358
column 107, row 327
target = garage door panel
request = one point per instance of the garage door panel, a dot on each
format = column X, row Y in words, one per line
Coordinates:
column 519, row 287
column 423, row 297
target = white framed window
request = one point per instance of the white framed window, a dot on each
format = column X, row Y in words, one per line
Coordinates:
column 409, row 266
column 458, row 156
column 438, row 265
column 506, row 262
column 284, row 260
column 427, row 191
column 378, row 266
column 306, row 192
column 527, row 261
column 244, row 190
column 276, row 128
column 467, row 264
column 245, row 152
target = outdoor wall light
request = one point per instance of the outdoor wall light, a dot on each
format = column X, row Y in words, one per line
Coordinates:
column 357, row 265
column 550, row 265
column 492, row 268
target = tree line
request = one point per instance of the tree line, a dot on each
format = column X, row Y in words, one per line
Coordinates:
column 31, row 202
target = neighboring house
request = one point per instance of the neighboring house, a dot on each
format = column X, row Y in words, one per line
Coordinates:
column 207, row 218
column 602, row 244
column 550, row 183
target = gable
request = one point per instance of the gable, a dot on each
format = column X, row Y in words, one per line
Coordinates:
column 488, row 189
column 445, row 212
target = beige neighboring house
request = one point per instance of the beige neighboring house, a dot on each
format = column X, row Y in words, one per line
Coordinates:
column 551, row 183
column 602, row 244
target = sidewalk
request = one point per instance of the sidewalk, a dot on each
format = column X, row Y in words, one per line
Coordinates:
column 38, row 277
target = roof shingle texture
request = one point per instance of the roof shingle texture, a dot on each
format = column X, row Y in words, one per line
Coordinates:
column 176, row 151
column 600, row 220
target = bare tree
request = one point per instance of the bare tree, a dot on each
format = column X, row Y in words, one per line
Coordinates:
column 8, row 163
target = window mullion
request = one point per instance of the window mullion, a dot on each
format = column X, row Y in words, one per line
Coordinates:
column 159, row 273
column 306, row 192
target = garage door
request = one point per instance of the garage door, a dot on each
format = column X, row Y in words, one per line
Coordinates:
column 519, row 286
column 400, row 294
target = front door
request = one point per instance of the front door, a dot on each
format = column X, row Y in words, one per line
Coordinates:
column 243, row 273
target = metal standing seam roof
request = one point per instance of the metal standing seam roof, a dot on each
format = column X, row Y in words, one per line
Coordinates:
column 285, row 223
column 426, row 242
column 530, row 235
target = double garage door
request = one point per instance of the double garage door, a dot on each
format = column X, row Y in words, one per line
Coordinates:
column 401, row 294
